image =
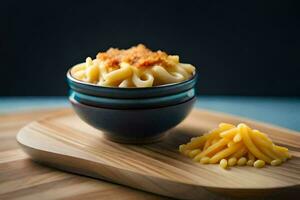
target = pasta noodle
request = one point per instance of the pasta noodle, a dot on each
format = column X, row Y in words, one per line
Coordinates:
column 229, row 146
column 134, row 67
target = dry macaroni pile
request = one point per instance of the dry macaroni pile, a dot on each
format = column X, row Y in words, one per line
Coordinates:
column 229, row 145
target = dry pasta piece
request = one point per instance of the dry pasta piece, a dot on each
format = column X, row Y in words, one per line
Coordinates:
column 204, row 160
column 223, row 163
column 207, row 143
column 182, row 147
column 211, row 136
column 266, row 147
column 229, row 133
column 215, row 134
column 269, row 153
column 276, row 162
column 232, row 161
column 225, row 153
column 196, row 143
column 237, row 138
column 199, row 142
column 241, row 152
column 242, row 161
column 214, row 148
column 229, row 146
column 282, row 149
column 226, row 126
column 194, row 152
column 251, row 146
column 259, row 164
column 279, row 150
column 262, row 135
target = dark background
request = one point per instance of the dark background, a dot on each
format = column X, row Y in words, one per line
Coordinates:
column 240, row 48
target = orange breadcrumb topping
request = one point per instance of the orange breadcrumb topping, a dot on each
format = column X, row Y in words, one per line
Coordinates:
column 139, row 56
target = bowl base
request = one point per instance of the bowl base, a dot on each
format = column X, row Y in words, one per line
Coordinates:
column 147, row 140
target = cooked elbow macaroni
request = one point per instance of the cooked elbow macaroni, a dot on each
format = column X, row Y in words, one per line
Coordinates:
column 229, row 146
column 134, row 67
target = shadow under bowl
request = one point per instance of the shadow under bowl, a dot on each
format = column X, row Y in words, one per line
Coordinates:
column 135, row 126
column 128, row 93
column 115, row 103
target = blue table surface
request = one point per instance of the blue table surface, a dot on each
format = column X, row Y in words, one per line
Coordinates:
column 280, row 111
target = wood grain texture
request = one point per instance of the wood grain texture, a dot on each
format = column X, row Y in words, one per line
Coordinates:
column 20, row 178
column 63, row 141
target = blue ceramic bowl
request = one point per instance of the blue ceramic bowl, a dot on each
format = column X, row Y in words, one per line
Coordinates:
column 142, row 125
column 131, row 93
column 115, row 103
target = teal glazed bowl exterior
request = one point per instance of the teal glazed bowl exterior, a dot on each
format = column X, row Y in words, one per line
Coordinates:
column 153, row 102
column 130, row 93
column 133, row 126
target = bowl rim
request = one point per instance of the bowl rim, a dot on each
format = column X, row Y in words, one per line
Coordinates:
column 72, row 79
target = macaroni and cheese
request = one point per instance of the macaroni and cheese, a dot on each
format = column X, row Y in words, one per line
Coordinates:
column 137, row 66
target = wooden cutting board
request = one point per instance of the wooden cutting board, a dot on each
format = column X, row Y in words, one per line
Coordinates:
column 22, row 179
column 63, row 141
